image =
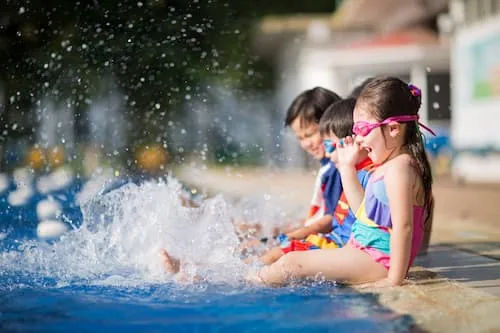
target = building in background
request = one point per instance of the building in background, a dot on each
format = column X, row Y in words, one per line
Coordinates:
column 435, row 45
column 475, row 70
column 358, row 41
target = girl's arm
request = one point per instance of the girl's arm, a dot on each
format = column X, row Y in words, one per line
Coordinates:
column 324, row 224
column 348, row 155
column 399, row 181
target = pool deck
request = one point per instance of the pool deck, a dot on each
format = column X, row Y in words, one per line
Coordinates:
column 454, row 288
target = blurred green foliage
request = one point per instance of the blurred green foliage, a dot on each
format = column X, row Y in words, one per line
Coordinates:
column 158, row 52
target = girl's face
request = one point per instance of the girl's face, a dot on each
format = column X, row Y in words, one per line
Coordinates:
column 333, row 156
column 376, row 143
column 309, row 137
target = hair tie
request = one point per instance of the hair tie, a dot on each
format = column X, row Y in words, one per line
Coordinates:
column 414, row 90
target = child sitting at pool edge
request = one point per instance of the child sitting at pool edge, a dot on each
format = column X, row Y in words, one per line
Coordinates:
column 303, row 117
column 336, row 122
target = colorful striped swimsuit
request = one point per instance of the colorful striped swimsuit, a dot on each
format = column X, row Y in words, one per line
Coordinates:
column 371, row 232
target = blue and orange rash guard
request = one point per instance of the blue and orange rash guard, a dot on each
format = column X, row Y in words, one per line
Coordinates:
column 343, row 216
column 331, row 187
column 326, row 191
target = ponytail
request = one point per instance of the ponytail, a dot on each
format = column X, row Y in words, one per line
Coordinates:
column 414, row 140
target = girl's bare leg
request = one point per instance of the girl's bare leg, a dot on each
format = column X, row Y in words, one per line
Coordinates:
column 346, row 264
column 171, row 264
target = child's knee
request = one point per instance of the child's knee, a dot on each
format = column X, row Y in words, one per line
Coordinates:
column 290, row 266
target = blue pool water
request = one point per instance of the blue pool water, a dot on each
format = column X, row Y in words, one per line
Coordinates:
column 104, row 274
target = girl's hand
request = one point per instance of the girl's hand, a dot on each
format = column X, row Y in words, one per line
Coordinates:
column 348, row 152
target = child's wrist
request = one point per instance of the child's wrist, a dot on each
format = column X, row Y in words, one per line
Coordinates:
column 347, row 167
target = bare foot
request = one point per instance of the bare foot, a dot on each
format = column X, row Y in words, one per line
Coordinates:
column 171, row 264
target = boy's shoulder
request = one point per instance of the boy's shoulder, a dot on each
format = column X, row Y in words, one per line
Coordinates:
column 363, row 171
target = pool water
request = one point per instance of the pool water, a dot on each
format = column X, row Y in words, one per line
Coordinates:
column 105, row 274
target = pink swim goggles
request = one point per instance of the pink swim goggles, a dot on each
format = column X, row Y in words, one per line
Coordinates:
column 364, row 128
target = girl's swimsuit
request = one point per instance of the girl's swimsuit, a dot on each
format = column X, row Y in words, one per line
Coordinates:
column 371, row 232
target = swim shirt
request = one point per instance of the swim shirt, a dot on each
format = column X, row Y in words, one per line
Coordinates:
column 343, row 216
column 326, row 192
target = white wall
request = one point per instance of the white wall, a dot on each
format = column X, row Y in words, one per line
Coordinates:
column 475, row 55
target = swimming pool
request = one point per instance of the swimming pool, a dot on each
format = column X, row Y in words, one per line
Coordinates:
column 104, row 274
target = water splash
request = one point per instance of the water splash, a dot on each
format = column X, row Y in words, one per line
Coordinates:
column 122, row 232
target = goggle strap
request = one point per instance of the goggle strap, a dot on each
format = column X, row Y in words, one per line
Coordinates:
column 411, row 118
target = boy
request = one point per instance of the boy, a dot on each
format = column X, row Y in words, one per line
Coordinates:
column 336, row 123
column 303, row 117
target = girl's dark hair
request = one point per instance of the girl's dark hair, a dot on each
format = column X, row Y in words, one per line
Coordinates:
column 310, row 105
column 386, row 97
column 357, row 90
column 337, row 118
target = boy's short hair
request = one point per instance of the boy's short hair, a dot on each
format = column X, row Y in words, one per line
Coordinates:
column 310, row 105
column 338, row 118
